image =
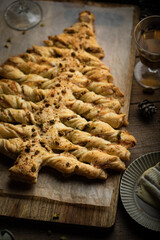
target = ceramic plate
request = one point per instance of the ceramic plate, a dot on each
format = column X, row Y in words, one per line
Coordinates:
column 140, row 211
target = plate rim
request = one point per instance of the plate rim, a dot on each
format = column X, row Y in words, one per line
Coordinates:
column 129, row 181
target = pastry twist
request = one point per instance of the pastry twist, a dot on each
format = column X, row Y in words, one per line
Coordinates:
column 9, row 87
column 16, row 116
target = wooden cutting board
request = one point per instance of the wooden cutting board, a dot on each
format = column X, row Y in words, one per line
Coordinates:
column 114, row 30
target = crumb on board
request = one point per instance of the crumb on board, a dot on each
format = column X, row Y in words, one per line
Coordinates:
column 56, row 216
column 42, row 24
column 6, row 45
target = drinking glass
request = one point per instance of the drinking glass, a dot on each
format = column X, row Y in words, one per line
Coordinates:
column 147, row 39
column 23, row 14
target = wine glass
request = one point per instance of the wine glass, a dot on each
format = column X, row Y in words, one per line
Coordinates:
column 23, row 15
column 147, row 39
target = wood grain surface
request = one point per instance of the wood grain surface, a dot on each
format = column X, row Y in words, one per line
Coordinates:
column 43, row 209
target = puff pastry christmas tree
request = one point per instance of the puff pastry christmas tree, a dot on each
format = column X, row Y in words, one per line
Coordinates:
column 59, row 107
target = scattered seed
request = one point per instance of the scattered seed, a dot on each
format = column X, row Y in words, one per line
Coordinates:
column 67, row 164
column 56, row 143
column 33, row 169
column 70, row 46
column 52, row 121
column 9, row 40
column 57, row 106
column 63, row 238
column 61, row 134
column 47, row 105
column 27, row 150
column 40, row 125
column 119, row 136
column 6, row 45
column 73, row 54
column 42, row 24
column 63, row 91
column 70, row 75
column 34, row 134
column 36, row 152
column 71, row 70
column 56, row 216
column 86, row 127
column 42, row 144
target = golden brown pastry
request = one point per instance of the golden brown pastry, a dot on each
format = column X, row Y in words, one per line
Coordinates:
column 79, row 36
column 59, row 107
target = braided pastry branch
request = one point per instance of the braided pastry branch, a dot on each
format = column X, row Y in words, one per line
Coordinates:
column 8, row 130
column 26, row 167
column 16, row 116
column 16, row 102
column 11, row 147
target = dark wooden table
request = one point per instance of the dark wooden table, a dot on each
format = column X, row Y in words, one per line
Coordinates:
column 148, row 140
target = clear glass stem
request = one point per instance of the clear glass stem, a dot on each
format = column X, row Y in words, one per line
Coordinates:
column 22, row 4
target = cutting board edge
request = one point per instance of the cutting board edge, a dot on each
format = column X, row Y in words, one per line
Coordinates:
column 43, row 209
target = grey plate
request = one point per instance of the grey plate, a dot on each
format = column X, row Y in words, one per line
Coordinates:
column 140, row 211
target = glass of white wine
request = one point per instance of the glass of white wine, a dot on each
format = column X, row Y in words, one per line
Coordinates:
column 147, row 39
column 23, row 14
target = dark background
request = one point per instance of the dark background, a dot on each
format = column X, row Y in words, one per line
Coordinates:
column 147, row 7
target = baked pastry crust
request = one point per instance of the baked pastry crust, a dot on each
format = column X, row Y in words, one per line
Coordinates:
column 59, row 107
